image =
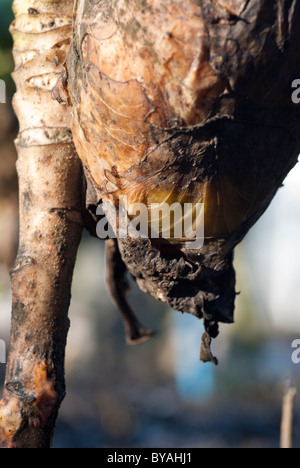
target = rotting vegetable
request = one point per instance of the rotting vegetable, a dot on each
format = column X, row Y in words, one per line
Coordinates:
column 188, row 102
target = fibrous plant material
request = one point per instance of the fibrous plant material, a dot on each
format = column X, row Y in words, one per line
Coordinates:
column 188, row 102
column 50, row 227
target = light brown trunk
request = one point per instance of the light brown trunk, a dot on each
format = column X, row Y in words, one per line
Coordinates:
column 50, row 227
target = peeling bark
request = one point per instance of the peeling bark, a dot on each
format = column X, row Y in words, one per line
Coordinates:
column 50, row 181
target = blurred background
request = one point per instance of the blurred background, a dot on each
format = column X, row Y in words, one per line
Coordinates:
column 160, row 394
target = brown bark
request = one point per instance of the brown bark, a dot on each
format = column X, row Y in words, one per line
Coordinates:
column 50, row 227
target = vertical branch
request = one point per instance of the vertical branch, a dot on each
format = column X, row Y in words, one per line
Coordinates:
column 286, row 439
column 50, row 227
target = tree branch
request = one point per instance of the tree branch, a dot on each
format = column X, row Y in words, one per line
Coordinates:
column 50, row 227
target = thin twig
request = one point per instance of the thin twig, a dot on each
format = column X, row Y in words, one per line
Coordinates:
column 286, row 440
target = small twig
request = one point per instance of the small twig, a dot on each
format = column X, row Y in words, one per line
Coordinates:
column 117, row 286
column 286, row 440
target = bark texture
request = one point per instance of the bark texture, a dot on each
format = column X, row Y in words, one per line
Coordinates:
column 186, row 101
column 50, row 227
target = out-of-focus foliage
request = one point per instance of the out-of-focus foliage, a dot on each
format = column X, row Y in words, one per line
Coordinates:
column 6, row 63
column 6, row 16
column 8, row 130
